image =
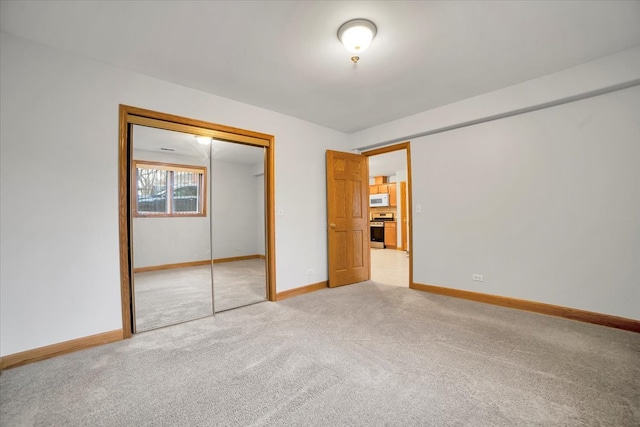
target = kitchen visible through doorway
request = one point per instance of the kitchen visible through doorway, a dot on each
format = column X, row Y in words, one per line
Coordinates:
column 389, row 216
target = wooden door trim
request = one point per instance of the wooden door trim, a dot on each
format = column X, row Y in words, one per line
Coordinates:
column 169, row 121
column 388, row 149
column 611, row 321
column 58, row 349
column 301, row 290
column 129, row 115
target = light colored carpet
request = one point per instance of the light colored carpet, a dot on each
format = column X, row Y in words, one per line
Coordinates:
column 239, row 283
column 360, row 355
column 168, row 297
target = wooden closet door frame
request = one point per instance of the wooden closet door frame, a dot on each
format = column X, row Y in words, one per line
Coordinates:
column 132, row 115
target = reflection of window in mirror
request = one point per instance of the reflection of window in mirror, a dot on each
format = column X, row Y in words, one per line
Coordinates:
column 164, row 189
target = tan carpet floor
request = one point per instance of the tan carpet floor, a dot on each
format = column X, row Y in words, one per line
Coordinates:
column 168, row 297
column 360, row 355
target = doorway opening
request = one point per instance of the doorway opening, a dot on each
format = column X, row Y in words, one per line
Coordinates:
column 390, row 214
column 196, row 199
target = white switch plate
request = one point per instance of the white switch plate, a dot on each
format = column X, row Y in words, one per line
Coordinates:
column 280, row 212
column 478, row 277
column 418, row 208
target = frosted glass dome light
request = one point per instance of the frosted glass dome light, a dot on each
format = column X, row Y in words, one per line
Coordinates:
column 356, row 35
column 204, row 140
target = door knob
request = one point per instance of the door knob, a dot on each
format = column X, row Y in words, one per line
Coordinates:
column 332, row 225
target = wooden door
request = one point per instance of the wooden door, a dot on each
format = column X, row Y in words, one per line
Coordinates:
column 347, row 215
column 403, row 219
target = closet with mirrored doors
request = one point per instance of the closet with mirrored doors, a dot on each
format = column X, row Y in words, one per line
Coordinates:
column 196, row 223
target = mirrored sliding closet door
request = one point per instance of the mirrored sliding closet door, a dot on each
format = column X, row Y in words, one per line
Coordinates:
column 238, row 224
column 171, row 227
column 198, row 226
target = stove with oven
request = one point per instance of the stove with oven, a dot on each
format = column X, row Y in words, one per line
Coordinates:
column 377, row 228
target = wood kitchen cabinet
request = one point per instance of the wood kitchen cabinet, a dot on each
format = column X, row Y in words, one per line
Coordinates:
column 377, row 180
column 390, row 235
column 380, row 189
column 393, row 195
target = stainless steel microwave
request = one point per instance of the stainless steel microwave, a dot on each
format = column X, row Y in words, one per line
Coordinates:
column 378, row 200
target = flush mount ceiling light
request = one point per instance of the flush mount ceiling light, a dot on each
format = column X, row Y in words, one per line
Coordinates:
column 204, row 140
column 356, row 35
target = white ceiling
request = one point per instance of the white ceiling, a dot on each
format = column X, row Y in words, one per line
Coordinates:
column 285, row 56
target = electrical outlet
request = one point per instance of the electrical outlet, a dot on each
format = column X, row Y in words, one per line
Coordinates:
column 478, row 277
column 310, row 272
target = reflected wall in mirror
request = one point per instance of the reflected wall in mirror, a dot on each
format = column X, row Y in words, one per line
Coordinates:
column 238, row 224
column 171, row 227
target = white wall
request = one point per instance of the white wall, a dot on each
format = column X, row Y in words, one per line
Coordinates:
column 162, row 240
column 260, row 216
column 258, row 172
column 60, row 277
column 546, row 205
column 234, row 209
column 610, row 71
